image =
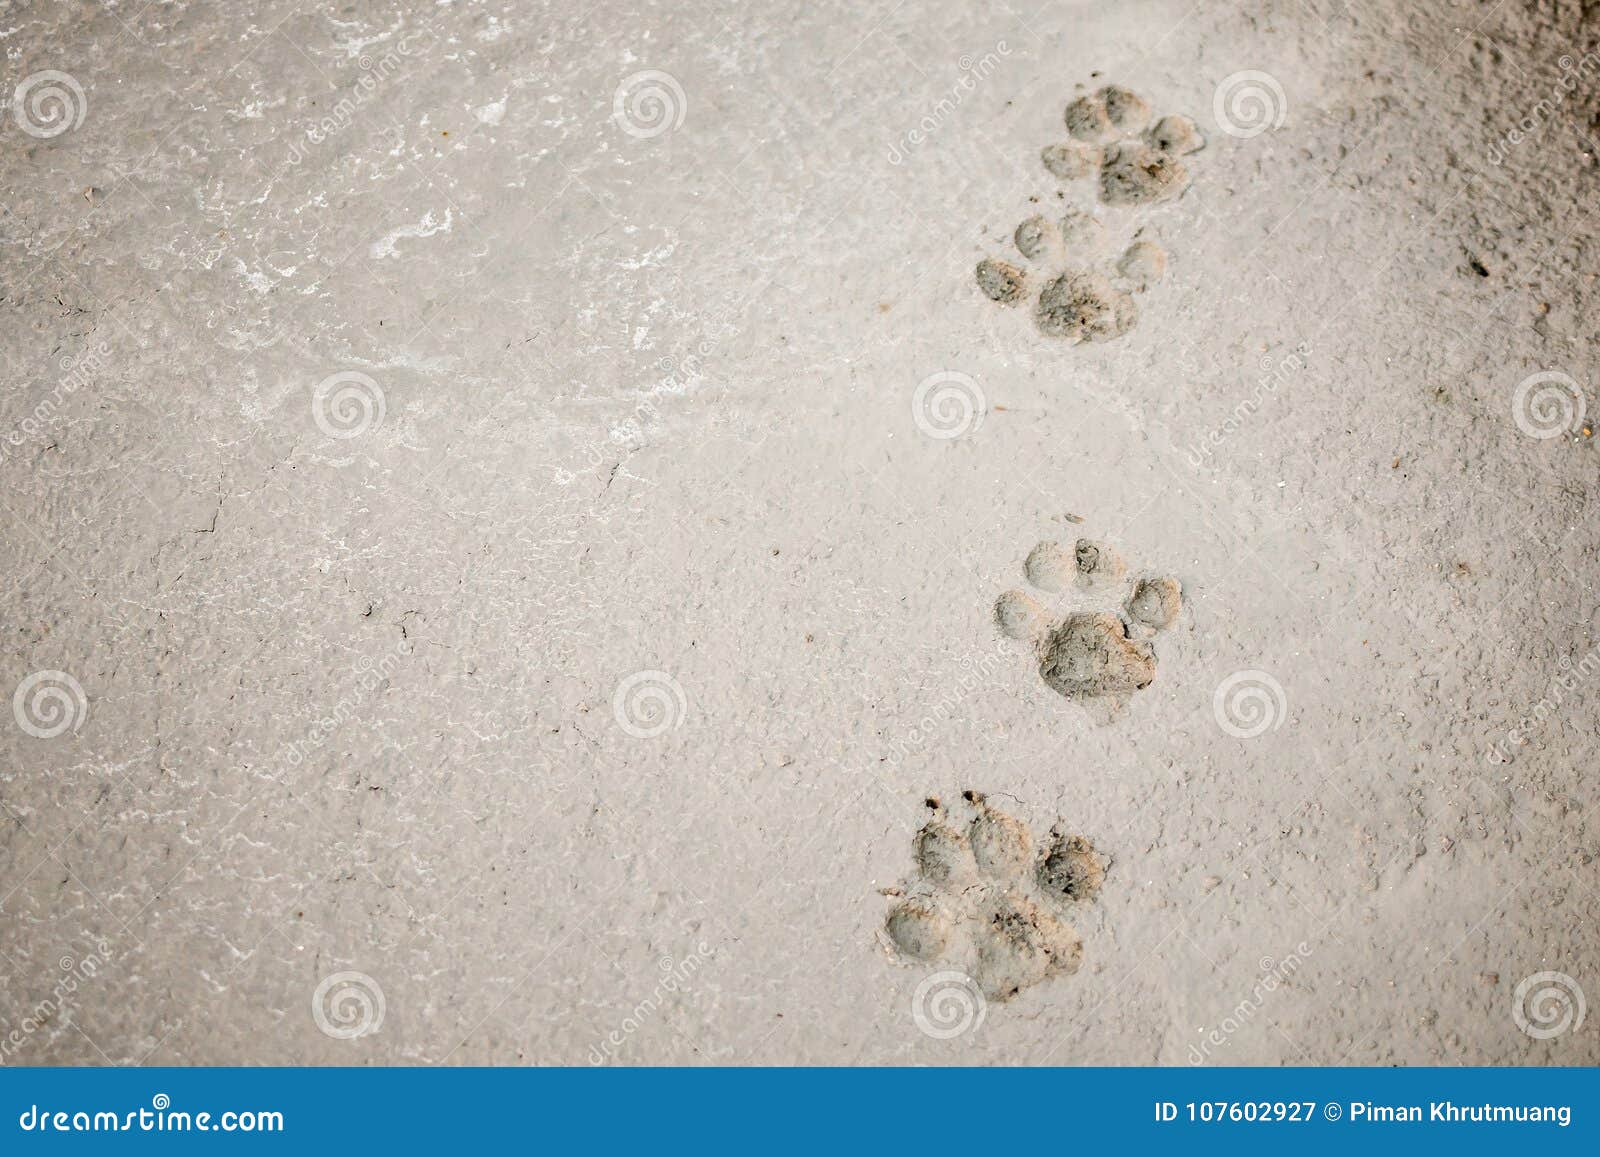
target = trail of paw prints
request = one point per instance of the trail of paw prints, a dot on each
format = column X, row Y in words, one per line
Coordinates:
column 1083, row 294
column 1090, row 653
column 984, row 900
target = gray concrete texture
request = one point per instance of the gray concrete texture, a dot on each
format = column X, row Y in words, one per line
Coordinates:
column 515, row 524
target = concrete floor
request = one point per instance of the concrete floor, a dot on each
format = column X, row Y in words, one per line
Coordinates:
column 503, row 508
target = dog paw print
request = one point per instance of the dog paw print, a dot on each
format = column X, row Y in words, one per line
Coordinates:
column 1083, row 295
column 1137, row 162
column 1090, row 653
column 985, row 900
column 1086, row 296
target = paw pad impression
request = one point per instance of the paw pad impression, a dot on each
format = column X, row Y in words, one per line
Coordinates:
column 985, row 899
column 1084, row 295
column 1137, row 162
column 1090, row 653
